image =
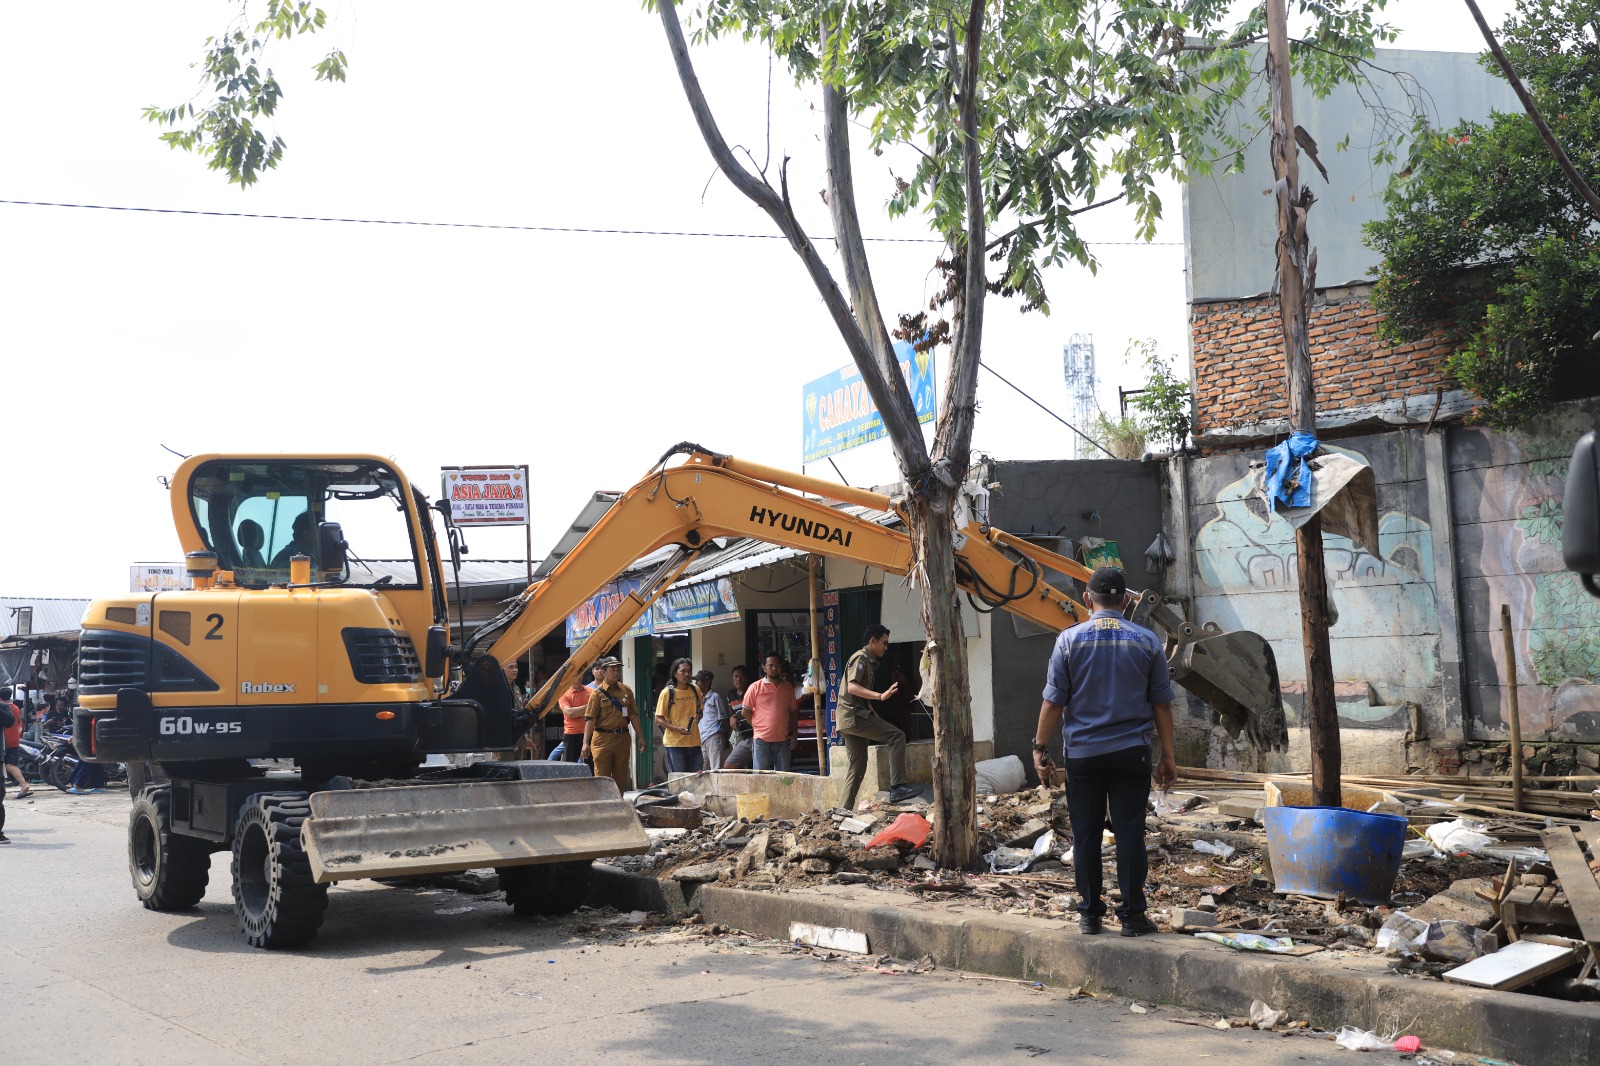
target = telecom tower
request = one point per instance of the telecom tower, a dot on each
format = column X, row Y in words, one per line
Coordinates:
column 1078, row 365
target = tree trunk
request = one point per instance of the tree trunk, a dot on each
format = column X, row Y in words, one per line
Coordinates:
column 1297, row 274
column 955, row 843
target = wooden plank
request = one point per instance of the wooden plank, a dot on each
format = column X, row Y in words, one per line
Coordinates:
column 1513, row 966
column 1583, row 893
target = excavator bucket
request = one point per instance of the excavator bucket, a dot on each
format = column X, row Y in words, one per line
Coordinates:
column 429, row 829
column 1237, row 674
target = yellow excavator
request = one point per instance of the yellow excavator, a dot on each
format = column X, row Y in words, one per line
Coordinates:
column 290, row 649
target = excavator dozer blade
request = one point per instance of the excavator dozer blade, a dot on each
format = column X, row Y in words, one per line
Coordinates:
column 1237, row 674
column 429, row 829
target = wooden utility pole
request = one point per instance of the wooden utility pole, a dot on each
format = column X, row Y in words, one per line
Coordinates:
column 1297, row 272
column 1514, row 712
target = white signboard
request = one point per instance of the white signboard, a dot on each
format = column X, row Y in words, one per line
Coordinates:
column 157, row 577
column 487, row 495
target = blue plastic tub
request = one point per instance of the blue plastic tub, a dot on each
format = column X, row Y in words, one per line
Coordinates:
column 1331, row 851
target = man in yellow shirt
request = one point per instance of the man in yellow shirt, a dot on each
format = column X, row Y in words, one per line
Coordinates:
column 607, row 719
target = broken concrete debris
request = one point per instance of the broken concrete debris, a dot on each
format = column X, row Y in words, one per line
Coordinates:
column 1487, row 885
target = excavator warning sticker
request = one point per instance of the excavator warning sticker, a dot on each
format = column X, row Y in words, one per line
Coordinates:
column 487, row 495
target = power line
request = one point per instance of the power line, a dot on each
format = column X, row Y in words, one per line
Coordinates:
column 1046, row 410
column 592, row 230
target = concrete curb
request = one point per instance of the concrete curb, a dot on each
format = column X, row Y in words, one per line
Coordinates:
column 1169, row 969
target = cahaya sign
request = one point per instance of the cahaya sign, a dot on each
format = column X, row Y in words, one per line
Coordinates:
column 487, row 495
column 839, row 413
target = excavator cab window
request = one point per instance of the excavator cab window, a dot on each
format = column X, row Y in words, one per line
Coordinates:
column 257, row 514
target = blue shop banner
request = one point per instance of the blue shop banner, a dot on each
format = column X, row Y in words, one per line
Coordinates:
column 839, row 412
column 704, row 603
column 832, row 662
column 587, row 618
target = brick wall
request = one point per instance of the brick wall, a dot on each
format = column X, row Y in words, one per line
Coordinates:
column 1238, row 359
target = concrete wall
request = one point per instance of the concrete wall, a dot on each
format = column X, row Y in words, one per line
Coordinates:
column 1230, row 228
column 1118, row 500
column 1507, row 491
column 1468, row 519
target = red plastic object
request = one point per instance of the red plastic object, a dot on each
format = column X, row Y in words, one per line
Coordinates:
column 911, row 828
column 1407, row 1045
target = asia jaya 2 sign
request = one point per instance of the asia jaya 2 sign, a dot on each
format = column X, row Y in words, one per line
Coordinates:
column 701, row 603
column 487, row 495
column 839, row 412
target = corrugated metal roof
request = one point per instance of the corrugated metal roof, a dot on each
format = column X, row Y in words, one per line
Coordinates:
column 49, row 615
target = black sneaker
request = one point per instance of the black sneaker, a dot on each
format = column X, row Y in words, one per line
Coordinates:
column 1137, row 925
column 1089, row 924
column 4, row 839
column 903, row 792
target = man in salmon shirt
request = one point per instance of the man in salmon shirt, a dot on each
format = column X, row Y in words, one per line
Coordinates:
column 774, row 713
column 13, row 744
column 573, row 702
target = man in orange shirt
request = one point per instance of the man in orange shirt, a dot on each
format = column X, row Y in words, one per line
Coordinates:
column 774, row 714
column 573, row 703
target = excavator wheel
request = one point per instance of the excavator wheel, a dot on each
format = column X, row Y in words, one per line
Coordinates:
column 274, row 897
column 170, row 872
column 546, row 890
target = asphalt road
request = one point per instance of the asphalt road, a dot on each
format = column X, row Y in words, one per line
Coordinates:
column 429, row 975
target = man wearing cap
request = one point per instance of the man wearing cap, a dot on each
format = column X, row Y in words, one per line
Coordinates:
column 862, row 727
column 1106, row 685
column 610, row 712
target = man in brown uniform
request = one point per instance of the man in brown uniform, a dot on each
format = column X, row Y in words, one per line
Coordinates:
column 610, row 712
column 862, row 727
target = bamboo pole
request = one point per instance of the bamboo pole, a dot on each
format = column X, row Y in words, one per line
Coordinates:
column 819, row 690
column 1511, row 703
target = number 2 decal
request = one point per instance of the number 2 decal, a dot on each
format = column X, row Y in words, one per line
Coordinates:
column 215, row 632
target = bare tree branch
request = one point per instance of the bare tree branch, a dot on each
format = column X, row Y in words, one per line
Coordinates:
column 908, row 444
column 1562, row 159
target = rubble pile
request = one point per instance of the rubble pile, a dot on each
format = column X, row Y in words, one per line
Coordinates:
column 1466, row 887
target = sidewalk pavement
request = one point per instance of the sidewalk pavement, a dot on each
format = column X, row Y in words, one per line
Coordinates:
column 1164, row 968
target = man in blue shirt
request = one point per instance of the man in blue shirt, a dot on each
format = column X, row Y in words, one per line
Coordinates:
column 1106, row 685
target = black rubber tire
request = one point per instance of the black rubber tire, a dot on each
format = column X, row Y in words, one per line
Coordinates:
column 277, row 903
column 58, row 772
column 170, row 871
column 546, row 890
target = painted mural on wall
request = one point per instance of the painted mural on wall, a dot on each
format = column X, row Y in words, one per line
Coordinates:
column 1509, row 490
column 1385, row 637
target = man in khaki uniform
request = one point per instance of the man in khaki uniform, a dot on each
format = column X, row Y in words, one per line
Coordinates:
column 862, row 727
column 607, row 719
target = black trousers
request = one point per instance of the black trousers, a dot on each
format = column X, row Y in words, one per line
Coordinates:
column 1119, row 780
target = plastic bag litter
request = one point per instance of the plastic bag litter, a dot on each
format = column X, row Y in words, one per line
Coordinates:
column 1352, row 1039
column 911, row 828
column 1457, row 838
column 1217, row 848
column 1009, row 860
column 1264, row 1017
column 1418, row 848
column 1046, row 844
column 1250, row 942
column 999, row 776
column 1164, row 802
column 1461, row 837
column 1402, row 934
column 1408, row 1045
column 1451, row 941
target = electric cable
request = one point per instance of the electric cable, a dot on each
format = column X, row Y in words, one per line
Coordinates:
column 612, row 231
column 1046, row 410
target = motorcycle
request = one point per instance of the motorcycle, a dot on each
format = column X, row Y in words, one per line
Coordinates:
column 59, row 761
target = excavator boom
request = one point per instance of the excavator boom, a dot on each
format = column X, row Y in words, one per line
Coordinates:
column 710, row 495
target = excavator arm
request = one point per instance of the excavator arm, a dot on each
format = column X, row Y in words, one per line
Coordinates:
column 710, row 495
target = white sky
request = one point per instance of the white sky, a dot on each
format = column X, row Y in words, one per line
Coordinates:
column 583, row 355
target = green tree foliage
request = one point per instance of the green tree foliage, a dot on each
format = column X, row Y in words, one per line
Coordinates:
column 1164, row 402
column 1085, row 102
column 226, row 129
column 1484, row 235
